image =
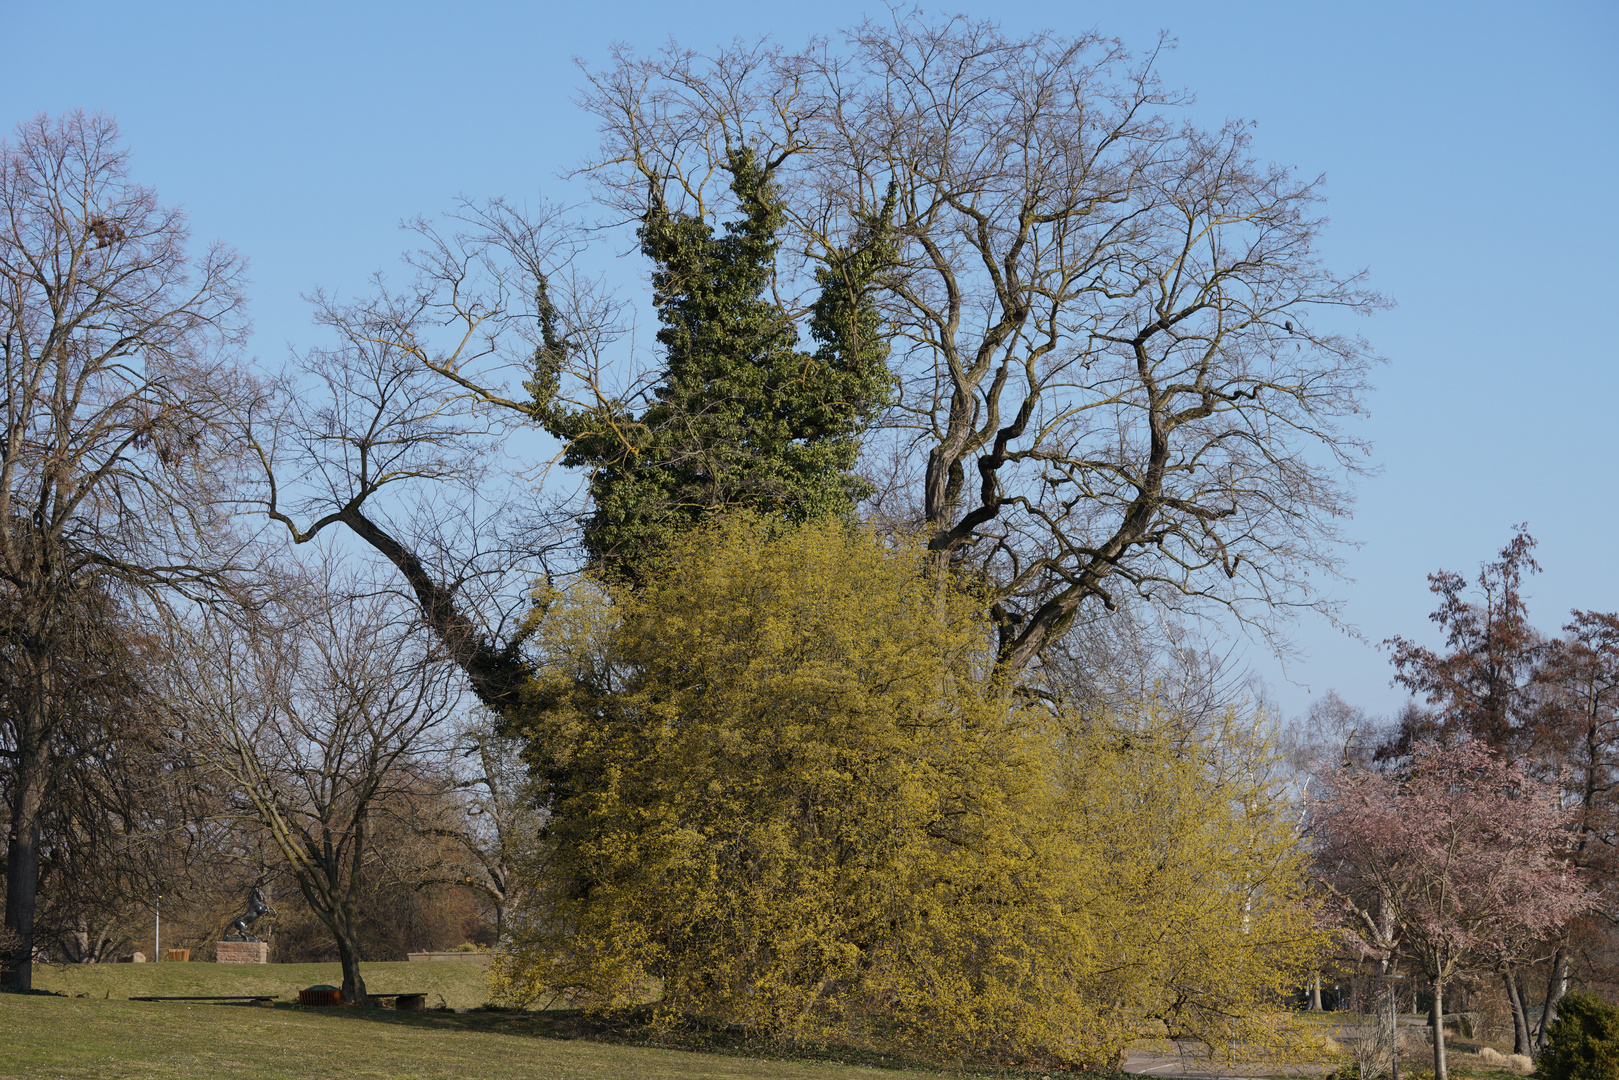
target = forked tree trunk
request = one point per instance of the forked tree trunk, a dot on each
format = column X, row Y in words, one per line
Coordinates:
column 348, row 954
column 1520, row 1019
column 1556, row 987
column 341, row 923
column 330, row 901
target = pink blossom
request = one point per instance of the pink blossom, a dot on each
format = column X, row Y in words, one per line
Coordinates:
column 1450, row 861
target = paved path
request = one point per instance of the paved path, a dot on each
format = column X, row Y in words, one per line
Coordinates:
column 1190, row 1062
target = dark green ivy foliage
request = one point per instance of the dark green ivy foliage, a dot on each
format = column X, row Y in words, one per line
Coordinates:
column 741, row 419
column 1583, row 1041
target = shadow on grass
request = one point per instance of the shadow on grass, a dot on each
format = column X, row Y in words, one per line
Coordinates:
column 635, row 1028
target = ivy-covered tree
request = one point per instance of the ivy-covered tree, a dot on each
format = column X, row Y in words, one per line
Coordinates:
column 741, row 418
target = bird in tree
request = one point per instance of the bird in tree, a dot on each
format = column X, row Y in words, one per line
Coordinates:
column 741, row 418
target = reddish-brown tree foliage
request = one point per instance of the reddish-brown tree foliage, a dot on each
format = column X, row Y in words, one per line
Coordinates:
column 1577, row 740
column 1484, row 683
column 1579, row 727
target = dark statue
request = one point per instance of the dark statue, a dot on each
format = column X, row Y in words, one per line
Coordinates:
column 257, row 907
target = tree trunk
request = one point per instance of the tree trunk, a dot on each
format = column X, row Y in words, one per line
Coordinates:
column 318, row 883
column 22, row 855
column 348, row 954
column 1520, row 1019
column 77, row 945
column 1436, row 1016
column 494, row 674
column 1315, row 991
column 22, row 884
column 339, row 916
column 1556, row 987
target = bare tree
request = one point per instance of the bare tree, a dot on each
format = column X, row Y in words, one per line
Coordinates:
column 115, row 447
column 496, row 817
column 393, row 431
column 1373, row 1045
column 1110, row 661
column 1331, row 733
column 320, row 723
column 1121, row 368
column 1123, row 372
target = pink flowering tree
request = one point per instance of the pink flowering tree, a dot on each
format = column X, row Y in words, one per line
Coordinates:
column 1446, row 861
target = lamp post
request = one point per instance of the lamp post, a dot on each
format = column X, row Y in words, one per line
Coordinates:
column 157, row 927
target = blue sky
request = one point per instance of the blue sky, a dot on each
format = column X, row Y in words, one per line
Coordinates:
column 1469, row 150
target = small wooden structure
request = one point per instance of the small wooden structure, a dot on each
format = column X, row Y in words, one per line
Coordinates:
column 322, row 994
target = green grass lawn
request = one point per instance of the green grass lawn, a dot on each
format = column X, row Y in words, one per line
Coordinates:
column 51, row 1038
column 100, row 1033
column 456, row 985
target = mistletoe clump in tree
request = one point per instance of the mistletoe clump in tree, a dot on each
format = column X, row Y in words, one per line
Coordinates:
column 741, row 418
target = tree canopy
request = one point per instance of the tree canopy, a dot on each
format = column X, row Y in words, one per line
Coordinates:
column 1121, row 370
column 1116, row 367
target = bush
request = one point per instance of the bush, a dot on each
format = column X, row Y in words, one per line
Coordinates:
column 788, row 796
column 1584, row 1041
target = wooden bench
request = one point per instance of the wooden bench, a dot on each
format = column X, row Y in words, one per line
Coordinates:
column 256, row 999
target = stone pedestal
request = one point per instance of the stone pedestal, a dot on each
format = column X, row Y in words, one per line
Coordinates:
column 243, row 952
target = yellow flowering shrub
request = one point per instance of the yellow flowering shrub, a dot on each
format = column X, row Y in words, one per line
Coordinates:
column 785, row 794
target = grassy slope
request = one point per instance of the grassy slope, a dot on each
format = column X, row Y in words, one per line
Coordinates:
column 49, row 1038
column 459, row 985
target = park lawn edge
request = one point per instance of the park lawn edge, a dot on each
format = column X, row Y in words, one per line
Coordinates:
column 72, row 1038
